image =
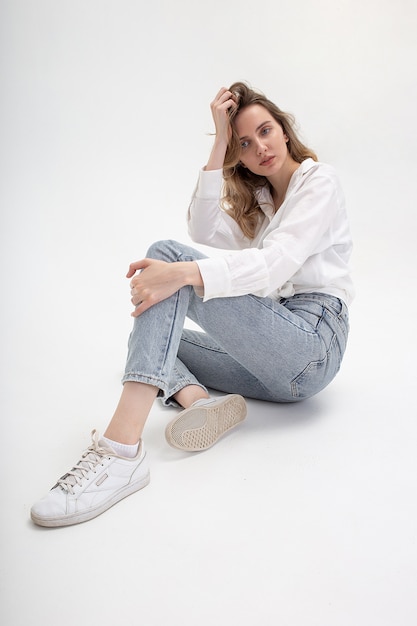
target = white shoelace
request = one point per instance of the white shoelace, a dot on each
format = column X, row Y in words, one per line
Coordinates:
column 92, row 457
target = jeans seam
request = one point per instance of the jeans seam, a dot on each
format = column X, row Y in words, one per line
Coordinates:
column 204, row 347
column 220, row 351
column 275, row 312
column 294, row 385
column 144, row 378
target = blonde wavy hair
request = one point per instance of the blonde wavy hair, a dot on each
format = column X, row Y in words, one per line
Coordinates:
column 240, row 184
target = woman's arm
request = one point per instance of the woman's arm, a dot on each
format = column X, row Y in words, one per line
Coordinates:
column 220, row 106
column 311, row 225
column 157, row 280
column 207, row 223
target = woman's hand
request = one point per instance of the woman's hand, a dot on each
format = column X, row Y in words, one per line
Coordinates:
column 158, row 280
column 219, row 109
column 223, row 101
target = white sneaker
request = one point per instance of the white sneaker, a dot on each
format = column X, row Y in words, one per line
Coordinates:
column 199, row 427
column 99, row 480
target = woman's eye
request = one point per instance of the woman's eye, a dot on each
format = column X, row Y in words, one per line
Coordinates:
column 244, row 144
column 265, row 131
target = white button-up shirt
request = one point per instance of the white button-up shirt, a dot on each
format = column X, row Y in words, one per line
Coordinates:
column 304, row 247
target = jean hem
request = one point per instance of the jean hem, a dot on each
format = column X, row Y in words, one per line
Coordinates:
column 164, row 393
column 142, row 378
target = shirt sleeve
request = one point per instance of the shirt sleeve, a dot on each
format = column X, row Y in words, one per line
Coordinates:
column 295, row 234
column 208, row 224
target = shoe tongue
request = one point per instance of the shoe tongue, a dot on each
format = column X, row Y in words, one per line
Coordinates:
column 104, row 443
column 92, row 455
column 84, row 463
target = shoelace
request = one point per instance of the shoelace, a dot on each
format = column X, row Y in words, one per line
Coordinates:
column 92, row 457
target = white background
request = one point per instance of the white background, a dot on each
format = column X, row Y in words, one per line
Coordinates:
column 305, row 515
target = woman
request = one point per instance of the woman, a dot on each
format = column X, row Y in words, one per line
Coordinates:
column 273, row 308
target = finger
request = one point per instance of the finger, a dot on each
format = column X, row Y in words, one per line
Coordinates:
column 141, row 308
column 225, row 106
column 220, row 93
column 229, row 98
column 223, row 96
column 221, row 100
column 133, row 292
column 226, row 95
column 135, row 300
column 134, row 267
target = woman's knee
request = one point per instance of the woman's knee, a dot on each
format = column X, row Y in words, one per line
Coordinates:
column 163, row 250
column 171, row 251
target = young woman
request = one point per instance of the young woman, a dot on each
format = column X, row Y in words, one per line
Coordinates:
column 273, row 308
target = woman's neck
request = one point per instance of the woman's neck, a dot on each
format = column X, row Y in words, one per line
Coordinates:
column 279, row 182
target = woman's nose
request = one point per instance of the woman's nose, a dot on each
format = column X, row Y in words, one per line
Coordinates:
column 260, row 148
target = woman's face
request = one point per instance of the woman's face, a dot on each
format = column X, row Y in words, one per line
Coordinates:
column 263, row 142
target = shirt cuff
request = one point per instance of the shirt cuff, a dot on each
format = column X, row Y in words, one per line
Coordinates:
column 209, row 183
column 216, row 278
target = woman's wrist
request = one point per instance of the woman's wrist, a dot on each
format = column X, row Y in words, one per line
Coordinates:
column 190, row 273
column 218, row 152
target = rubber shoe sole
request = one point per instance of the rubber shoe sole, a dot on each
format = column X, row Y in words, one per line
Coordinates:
column 91, row 513
column 200, row 427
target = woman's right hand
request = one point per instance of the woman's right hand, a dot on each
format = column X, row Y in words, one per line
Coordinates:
column 223, row 101
column 219, row 108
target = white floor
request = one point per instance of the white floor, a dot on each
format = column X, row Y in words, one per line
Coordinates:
column 305, row 514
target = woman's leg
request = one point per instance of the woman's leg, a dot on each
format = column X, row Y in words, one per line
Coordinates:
column 298, row 356
column 292, row 350
column 289, row 350
column 260, row 348
column 109, row 470
column 190, row 394
column 257, row 347
column 136, row 400
column 129, row 418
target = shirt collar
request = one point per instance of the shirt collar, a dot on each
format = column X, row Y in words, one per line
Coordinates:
column 264, row 195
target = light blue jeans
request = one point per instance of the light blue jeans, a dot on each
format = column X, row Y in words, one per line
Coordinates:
column 257, row 347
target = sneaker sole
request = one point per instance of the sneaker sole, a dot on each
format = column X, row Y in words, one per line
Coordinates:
column 200, row 427
column 78, row 518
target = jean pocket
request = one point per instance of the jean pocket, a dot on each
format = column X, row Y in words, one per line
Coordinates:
column 318, row 374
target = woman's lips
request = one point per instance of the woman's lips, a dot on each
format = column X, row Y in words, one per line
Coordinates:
column 267, row 161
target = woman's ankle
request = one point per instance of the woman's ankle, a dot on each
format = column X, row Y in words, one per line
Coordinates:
column 190, row 394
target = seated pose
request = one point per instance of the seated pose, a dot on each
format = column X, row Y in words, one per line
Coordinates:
column 273, row 307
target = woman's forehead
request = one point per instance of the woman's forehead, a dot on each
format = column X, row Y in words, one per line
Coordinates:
column 251, row 117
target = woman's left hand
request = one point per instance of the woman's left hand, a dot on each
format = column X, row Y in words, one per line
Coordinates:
column 158, row 280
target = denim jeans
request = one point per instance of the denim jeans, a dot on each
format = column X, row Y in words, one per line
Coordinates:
column 278, row 351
